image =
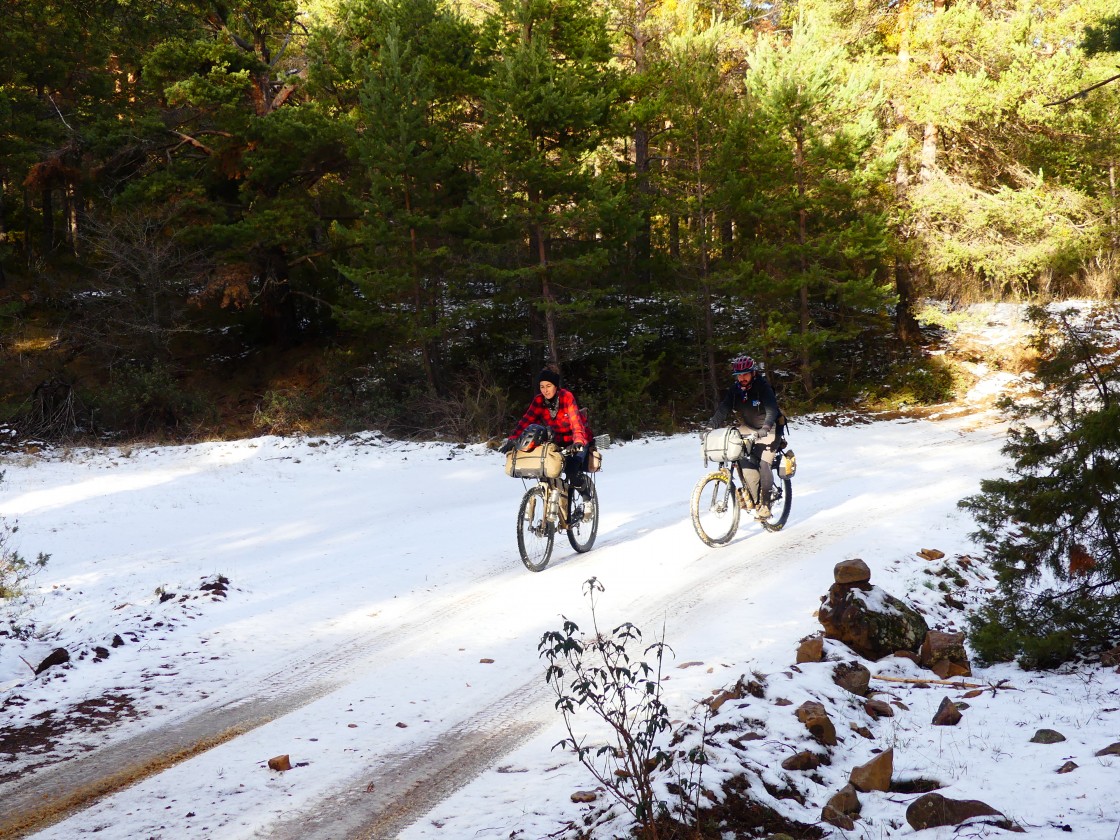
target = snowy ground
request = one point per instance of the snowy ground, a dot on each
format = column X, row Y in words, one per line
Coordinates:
column 379, row 628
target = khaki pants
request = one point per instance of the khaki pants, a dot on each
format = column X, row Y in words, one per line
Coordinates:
column 760, row 482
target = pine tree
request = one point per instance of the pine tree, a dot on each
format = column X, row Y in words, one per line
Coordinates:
column 1052, row 528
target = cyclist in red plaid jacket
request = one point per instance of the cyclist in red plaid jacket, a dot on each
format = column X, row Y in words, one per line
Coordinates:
column 556, row 408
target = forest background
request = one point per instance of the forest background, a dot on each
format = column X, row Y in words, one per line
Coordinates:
column 330, row 215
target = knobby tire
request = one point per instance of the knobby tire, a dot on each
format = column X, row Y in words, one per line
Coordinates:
column 715, row 509
column 583, row 525
column 535, row 536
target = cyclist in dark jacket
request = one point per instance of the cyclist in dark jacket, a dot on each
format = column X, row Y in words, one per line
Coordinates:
column 556, row 408
column 752, row 401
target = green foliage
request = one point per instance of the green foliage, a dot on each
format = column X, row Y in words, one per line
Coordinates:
column 145, row 399
column 15, row 571
column 598, row 674
column 1052, row 528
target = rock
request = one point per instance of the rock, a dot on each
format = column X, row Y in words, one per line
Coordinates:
column 852, row 571
column 931, row 554
column 1111, row 749
column 933, row 810
column 833, row 817
column 58, row 656
column 584, row 796
column 804, row 760
column 280, row 762
column 811, row 649
column 862, row 731
column 817, row 721
column 871, row 622
column 118, row 641
column 875, row 774
column 947, row 714
column 846, row 801
column 1068, row 767
column 1047, row 736
column 853, row 677
column 877, row 709
column 944, row 654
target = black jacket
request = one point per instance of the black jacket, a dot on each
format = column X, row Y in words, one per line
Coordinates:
column 757, row 407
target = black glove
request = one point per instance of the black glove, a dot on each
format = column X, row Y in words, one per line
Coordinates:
column 506, row 446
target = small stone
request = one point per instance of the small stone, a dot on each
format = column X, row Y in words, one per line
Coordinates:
column 878, row 709
column 947, row 714
column 280, row 763
column 58, row 656
column 817, row 721
column 1068, row 767
column 584, row 796
column 1047, row 736
column 804, row 760
column 852, row 677
column 931, row 554
column 1111, row 749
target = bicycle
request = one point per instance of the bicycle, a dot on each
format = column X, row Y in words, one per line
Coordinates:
column 550, row 505
column 716, row 500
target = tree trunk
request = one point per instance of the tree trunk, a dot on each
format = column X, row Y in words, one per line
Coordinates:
column 47, row 242
column 905, row 324
column 803, row 241
column 278, row 309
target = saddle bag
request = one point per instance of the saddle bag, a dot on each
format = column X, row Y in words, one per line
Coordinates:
column 544, row 461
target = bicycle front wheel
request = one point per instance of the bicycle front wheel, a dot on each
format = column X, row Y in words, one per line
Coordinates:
column 535, row 534
column 715, row 510
column 583, row 523
column 781, row 499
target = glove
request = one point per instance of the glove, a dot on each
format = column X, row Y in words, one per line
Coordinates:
column 749, row 440
column 581, row 453
column 506, row 446
column 765, row 430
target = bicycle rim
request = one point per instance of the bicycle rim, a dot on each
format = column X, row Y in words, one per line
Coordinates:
column 535, row 535
column 583, row 524
column 715, row 510
column 781, row 499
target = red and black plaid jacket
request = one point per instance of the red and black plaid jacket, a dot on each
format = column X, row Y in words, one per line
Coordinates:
column 567, row 425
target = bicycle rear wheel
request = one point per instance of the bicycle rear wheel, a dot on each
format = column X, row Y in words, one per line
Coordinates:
column 715, row 510
column 583, row 523
column 535, row 534
column 781, row 499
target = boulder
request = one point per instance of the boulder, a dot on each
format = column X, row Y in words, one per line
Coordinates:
column 933, row 810
column 1047, row 736
column 58, row 656
column 1111, row 749
column 870, row 621
column 877, row 709
column 804, row 760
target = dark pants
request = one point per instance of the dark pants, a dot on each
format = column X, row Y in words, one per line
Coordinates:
column 574, row 466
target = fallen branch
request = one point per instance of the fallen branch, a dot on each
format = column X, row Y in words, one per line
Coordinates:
column 29, row 665
column 953, row 683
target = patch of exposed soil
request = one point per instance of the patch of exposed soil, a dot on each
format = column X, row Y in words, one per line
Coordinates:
column 42, row 735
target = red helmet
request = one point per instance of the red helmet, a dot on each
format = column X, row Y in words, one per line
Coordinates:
column 742, row 364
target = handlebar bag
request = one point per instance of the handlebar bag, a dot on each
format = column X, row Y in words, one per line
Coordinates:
column 543, row 462
column 723, row 444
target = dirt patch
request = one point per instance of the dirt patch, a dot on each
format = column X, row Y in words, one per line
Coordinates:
column 42, row 734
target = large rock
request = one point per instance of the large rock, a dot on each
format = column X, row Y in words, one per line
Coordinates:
column 933, row 810
column 870, row 621
column 944, row 654
column 853, row 677
column 842, row 809
column 875, row 774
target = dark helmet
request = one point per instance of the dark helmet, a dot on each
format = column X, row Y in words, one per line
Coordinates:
column 533, row 436
column 742, row 364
